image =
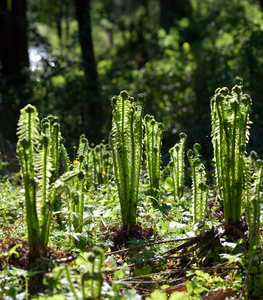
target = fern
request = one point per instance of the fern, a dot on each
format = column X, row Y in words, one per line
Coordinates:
column 51, row 128
column 44, row 168
column 199, row 186
column 126, row 144
column 253, row 178
column 230, row 133
column 177, row 165
column 28, row 124
column 64, row 156
column 38, row 153
column 83, row 146
column 28, row 137
column 153, row 144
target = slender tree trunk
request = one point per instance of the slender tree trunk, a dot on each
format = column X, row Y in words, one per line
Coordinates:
column 91, row 107
column 20, row 34
column 145, row 4
column 171, row 10
column 58, row 20
column 13, row 37
column 14, row 63
column 86, row 43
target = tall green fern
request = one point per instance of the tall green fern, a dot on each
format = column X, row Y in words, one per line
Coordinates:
column 153, row 145
column 253, row 179
column 230, row 133
column 101, row 162
column 126, row 138
column 43, row 168
column 177, row 165
column 38, row 157
column 199, row 186
column 51, row 128
column 28, row 138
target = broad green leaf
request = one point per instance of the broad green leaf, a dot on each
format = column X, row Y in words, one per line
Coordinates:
column 168, row 184
column 82, row 258
column 13, row 250
column 120, row 274
column 179, row 296
column 54, row 297
column 157, row 295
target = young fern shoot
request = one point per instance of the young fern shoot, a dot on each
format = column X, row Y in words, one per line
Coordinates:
column 28, row 137
column 199, row 186
column 126, row 138
column 253, row 178
column 177, row 166
column 101, row 162
column 230, row 133
column 79, row 186
column 34, row 151
column 51, row 128
column 153, row 145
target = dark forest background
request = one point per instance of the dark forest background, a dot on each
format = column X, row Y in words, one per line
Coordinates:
column 69, row 57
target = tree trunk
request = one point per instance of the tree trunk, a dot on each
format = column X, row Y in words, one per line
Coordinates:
column 94, row 109
column 20, row 33
column 58, row 21
column 145, row 5
column 14, row 63
column 85, row 39
column 171, row 10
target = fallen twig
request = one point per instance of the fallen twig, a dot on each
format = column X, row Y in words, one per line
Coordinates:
column 150, row 244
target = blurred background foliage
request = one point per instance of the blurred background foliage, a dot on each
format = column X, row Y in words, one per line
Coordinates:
column 68, row 58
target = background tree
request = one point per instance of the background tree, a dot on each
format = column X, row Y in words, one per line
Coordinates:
column 90, row 107
column 14, row 61
column 178, row 65
column 173, row 10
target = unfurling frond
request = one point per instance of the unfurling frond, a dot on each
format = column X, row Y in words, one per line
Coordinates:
column 28, row 124
column 177, row 153
column 153, row 145
column 199, row 186
column 126, row 145
column 64, row 156
column 230, row 133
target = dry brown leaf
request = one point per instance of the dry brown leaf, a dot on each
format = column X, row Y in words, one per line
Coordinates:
column 177, row 288
column 219, row 294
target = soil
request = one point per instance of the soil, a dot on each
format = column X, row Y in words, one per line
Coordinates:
column 26, row 260
column 121, row 236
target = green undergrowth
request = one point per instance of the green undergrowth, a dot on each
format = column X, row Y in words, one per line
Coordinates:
column 171, row 220
column 112, row 222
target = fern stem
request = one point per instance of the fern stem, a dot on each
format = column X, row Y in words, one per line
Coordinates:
column 234, row 201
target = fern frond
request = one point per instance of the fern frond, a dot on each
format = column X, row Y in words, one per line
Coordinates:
column 83, row 146
column 28, row 124
column 153, row 144
column 230, row 133
column 253, row 178
column 44, row 169
column 199, row 186
column 177, row 153
column 64, row 156
column 126, row 145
